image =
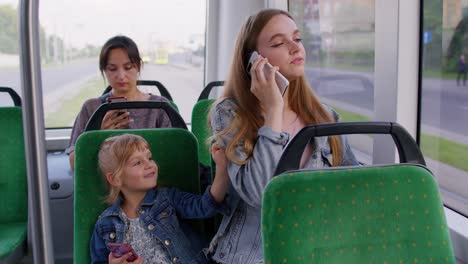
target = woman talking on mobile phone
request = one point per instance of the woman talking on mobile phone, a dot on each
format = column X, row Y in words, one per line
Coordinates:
column 253, row 122
column 121, row 63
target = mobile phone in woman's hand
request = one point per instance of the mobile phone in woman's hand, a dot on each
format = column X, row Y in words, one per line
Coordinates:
column 116, row 99
column 281, row 81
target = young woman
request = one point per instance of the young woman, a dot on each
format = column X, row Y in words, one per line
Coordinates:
column 253, row 122
column 120, row 62
column 144, row 216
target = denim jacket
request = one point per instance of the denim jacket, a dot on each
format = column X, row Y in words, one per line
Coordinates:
column 159, row 211
column 238, row 239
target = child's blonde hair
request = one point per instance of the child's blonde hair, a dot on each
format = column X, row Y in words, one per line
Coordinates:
column 113, row 154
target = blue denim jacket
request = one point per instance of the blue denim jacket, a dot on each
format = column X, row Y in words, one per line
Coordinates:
column 238, row 239
column 159, row 211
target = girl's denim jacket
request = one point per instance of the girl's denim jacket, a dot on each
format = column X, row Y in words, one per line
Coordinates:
column 159, row 211
column 238, row 239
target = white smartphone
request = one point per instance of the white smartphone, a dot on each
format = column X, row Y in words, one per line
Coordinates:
column 281, row 81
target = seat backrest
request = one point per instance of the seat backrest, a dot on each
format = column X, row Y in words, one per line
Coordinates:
column 175, row 151
column 161, row 88
column 201, row 129
column 13, row 94
column 94, row 122
column 385, row 214
column 200, row 126
column 13, row 180
column 390, row 213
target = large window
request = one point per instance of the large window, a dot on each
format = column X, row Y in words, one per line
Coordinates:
column 9, row 50
column 339, row 40
column 444, row 115
column 169, row 34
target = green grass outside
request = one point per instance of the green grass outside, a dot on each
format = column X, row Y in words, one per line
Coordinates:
column 350, row 116
column 444, row 150
column 434, row 147
column 440, row 75
column 70, row 108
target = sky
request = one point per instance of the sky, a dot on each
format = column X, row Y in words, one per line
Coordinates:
column 147, row 22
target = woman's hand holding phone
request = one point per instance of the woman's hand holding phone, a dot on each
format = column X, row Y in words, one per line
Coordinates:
column 265, row 88
column 113, row 120
column 116, row 119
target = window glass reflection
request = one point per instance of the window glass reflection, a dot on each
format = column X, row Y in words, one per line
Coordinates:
column 444, row 116
column 339, row 40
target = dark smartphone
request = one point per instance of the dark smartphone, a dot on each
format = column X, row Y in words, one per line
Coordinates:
column 118, row 250
column 281, row 81
column 117, row 99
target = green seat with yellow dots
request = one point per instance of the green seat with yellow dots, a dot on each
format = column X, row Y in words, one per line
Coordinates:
column 363, row 214
column 200, row 127
column 13, row 186
column 175, row 151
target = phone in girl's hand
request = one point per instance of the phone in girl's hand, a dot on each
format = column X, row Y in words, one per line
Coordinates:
column 118, row 250
column 281, row 81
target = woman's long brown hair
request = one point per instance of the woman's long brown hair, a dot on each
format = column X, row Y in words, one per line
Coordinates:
column 248, row 119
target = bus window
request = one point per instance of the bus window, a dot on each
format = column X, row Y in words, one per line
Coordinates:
column 444, row 98
column 71, row 46
column 339, row 40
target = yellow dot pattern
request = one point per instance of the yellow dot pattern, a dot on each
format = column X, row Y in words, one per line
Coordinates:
column 388, row 214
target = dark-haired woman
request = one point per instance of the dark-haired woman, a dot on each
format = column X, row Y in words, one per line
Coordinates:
column 121, row 63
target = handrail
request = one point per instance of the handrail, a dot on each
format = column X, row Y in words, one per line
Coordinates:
column 408, row 150
column 14, row 95
column 94, row 123
column 161, row 88
column 206, row 91
column 34, row 134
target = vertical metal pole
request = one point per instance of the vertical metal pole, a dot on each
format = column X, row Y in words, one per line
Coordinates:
column 34, row 135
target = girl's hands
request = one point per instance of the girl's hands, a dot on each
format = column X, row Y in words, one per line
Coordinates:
column 123, row 259
column 219, row 156
column 113, row 120
column 221, row 179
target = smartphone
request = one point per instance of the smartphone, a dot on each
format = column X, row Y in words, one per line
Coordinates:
column 117, row 99
column 118, row 250
column 281, row 81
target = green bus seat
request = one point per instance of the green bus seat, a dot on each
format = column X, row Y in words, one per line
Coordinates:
column 201, row 129
column 13, row 186
column 200, row 126
column 175, row 151
column 363, row 214
column 384, row 214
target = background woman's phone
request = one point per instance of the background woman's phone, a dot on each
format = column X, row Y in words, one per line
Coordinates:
column 118, row 250
column 118, row 99
column 281, row 81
